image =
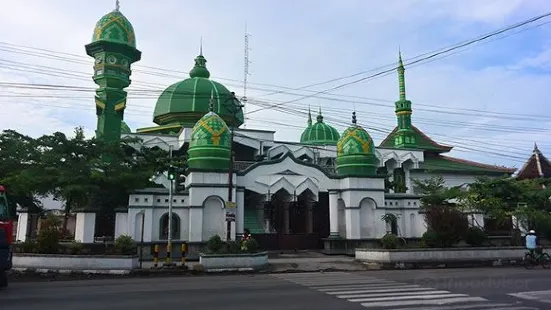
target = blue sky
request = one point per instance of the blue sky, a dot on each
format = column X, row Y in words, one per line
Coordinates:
column 294, row 44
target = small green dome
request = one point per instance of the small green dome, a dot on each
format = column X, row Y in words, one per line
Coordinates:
column 124, row 128
column 356, row 152
column 114, row 27
column 209, row 147
column 319, row 133
column 185, row 102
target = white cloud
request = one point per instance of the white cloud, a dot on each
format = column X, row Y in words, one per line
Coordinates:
column 293, row 45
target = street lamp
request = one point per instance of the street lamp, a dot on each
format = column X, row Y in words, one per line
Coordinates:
column 235, row 107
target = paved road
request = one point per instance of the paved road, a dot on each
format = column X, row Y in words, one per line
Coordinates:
column 445, row 289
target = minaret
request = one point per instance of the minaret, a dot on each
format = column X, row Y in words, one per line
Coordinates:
column 309, row 117
column 114, row 50
column 405, row 136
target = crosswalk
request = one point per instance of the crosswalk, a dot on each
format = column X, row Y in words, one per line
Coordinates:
column 376, row 293
column 539, row 296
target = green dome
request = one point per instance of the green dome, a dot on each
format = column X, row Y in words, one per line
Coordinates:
column 209, row 147
column 124, row 128
column 114, row 27
column 319, row 133
column 185, row 102
column 356, row 152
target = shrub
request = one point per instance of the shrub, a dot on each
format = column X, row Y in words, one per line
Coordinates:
column 215, row 245
column 125, row 245
column 431, row 239
column 390, row 241
column 28, row 246
column 249, row 246
column 475, row 236
column 449, row 224
column 75, row 247
column 47, row 241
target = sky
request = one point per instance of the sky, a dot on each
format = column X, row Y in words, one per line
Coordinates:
column 488, row 100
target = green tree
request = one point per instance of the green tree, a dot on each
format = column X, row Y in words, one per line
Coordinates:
column 19, row 155
column 434, row 192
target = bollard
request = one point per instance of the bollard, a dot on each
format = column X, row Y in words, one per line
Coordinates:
column 156, row 255
column 168, row 254
column 183, row 250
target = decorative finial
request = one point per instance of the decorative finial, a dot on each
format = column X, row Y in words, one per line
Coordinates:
column 117, row 6
column 535, row 147
column 354, row 118
column 211, row 105
column 201, row 47
column 320, row 117
column 309, row 117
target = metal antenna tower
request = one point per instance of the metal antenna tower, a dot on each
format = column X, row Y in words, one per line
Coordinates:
column 245, row 75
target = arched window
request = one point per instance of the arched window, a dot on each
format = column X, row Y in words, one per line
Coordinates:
column 163, row 225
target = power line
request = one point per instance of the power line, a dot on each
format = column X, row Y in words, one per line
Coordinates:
column 57, row 57
column 432, row 55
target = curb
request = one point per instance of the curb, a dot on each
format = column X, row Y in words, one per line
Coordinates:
column 500, row 263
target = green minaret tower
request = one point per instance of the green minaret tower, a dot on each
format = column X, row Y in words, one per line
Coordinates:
column 405, row 136
column 114, row 50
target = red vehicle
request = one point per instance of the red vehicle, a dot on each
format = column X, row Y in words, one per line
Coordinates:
column 6, row 238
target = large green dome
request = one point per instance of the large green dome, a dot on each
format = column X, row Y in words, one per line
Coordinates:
column 114, row 27
column 356, row 152
column 185, row 102
column 209, row 147
column 319, row 133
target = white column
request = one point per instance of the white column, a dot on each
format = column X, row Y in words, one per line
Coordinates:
column 196, row 224
column 407, row 177
column 352, row 217
column 22, row 226
column 121, row 224
column 333, row 214
column 85, row 227
column 240, row 216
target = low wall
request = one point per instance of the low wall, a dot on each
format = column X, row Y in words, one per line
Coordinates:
column 74, row 262
column 404, row 258
column 233, row 262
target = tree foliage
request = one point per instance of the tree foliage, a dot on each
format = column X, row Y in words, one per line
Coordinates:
column 80, row 172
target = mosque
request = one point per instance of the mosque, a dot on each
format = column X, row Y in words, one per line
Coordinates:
column 330, row 190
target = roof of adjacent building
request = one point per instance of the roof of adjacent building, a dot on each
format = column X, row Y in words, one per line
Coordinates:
column 537, row 166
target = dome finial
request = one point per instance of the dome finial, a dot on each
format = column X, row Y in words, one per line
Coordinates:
column 200, row 69
column 211, row 104
column 320, row 117
column 354, row 118
column 117, row 5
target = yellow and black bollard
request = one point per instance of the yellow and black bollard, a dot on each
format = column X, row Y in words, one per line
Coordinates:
column 168, row 254
column 183, row 250
column 156, row 255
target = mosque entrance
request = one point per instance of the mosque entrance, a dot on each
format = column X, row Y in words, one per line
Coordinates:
column 293, row 222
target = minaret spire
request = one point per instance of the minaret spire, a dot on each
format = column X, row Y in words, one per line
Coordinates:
column 401, row 76
column 354, row 118
column 405, row 135
column 117, row 5
column 309, row 117
column 201, row 47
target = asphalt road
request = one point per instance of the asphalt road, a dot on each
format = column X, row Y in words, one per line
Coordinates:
column 443, row 289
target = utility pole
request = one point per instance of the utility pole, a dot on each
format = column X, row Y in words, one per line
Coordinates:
column 245, row 74
column 234, row 110
column 171, row 177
